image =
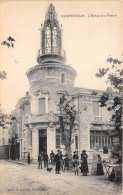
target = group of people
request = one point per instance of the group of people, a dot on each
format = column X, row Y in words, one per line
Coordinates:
column 62, row 162
column 84, row 163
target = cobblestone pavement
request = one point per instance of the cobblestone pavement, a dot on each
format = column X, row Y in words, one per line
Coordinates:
column 20, row 179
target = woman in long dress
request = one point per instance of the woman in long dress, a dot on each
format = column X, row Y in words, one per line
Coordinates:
column 99, row 166
column 57, row 160
column 84, row 164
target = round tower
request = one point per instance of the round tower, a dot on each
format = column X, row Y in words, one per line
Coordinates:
column 51, row 71
column 48, row 80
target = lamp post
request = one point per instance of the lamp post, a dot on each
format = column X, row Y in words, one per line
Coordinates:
column 9, row 151
column 10, row 143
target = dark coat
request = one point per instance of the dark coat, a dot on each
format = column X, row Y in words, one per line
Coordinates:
column 28, row 159
column 45, row 157
column 57, row 158
column 40, row 158
column 58, row 161
column 66, row 162
column 84, row 156
column 84, row 164
column 52, row 155
column 75, row 156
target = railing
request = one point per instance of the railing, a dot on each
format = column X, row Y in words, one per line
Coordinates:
column 98, row 119
column 54, row 51
column 36, row 118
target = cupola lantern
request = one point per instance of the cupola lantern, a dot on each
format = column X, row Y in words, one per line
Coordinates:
column 51, row 39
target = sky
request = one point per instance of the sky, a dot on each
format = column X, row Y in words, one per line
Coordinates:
column 88, row 41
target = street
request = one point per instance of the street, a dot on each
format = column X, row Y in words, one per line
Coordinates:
column 28, row 179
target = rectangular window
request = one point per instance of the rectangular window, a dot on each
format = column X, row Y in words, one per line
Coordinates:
column 41, row 106
column 58, row 138
column 76, row 142
column 31, row 139
column 102, row 141
column 3, row 140
column 99, row 137
column 58, row 141
column 99, row 142
column 96, row 108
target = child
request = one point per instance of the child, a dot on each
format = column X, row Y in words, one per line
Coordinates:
column 76, row 167
column 66, row 163
column 75, row 157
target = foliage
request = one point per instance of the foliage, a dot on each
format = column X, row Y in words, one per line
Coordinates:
column 6, row 120
column 102, row 72
column 8, row 43
column 114, row 78
column 13, row 139
column 66, row 118
column 3, row 75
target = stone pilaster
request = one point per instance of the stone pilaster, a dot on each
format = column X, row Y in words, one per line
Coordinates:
column 35, row 145
column 50, row 139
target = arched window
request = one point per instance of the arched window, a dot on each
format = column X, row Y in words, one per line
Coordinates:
column 62, row 78
column 47, row 40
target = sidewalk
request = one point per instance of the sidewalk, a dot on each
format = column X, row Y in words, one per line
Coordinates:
column 18, row 162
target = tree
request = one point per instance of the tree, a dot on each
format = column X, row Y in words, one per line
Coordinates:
column 67, row 118
column 114, row 75
column 8, row 43
column 3, row 75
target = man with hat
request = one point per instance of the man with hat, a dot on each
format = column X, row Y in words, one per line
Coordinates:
column 57, row 160
column 52, row 156
column 84, row 164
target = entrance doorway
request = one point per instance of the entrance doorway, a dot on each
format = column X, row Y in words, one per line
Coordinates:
column 42, row 140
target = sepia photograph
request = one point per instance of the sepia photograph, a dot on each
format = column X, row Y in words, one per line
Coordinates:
column 61, row 71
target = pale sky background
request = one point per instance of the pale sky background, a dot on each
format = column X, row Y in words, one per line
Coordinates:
column 88, row 42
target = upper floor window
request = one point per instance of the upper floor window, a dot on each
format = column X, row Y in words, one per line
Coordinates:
column 58, row 138
column 96, row 108
column 41, row 106
column 62, row 78
column 76, row 142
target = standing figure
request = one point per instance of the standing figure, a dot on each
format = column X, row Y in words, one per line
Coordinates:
column 66, row 163
column 40, row 160
column 52, row 156
column 84, row 164
column 45, row 157
column 75, row 157
column 99, row 166
column 62, row 161
column 57, row 160
column 28, row 158
column 76, row 167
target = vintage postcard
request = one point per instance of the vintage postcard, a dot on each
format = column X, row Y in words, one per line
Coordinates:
column 61, row 97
